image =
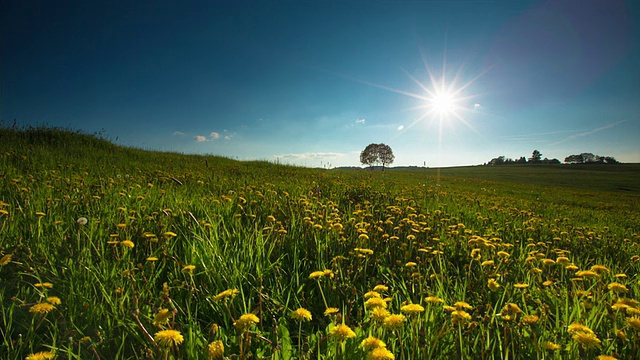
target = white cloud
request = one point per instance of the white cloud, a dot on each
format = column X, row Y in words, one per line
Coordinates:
column 476, row 106
column 311, row 156
column 360, row 121
column 199, row 138
column 214, row 135
column 401, row 127
column 178, row 133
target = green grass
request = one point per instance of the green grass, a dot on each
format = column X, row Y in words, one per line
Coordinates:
column 262, row 229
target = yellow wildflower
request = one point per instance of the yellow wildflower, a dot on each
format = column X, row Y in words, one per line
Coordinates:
column 493, row 285
column 599, row 268
column 394, row 321
column 461, row 305
column 216, row 350
column 341, row 332
column 433, row 299
column 412, row 309
column 617, row 287
column 380, row 353
column 372, row 294
column 521, row 286
column 168, row 338
column 41, row 308
column 372, row 343
column 127, row 243
column 606, row 357
column 381, row 288
column 586, row 339
column 576, row 328
column 54, row 300
column 378, row 314
column 550, row 346
column 460, row 316
column 162, row 317
column 587, row 274
column 245, row 321
column 47, row 285
column 229, row 293
column 301, row 314
column 634, row 322
column 188, row 268
column 42, row 355
column 374, row 303
column 5, row 260
column 316, row 274
column 331, row 311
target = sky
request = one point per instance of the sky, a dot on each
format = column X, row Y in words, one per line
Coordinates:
column 312, row 83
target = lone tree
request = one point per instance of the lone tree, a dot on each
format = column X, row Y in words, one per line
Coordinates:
column 377, row 153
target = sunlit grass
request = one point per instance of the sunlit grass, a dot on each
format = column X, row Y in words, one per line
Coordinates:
column 121, row 253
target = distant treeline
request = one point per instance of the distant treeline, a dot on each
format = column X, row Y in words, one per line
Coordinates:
column 536, row 158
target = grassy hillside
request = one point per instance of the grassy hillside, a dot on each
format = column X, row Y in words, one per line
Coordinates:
column 113, row 252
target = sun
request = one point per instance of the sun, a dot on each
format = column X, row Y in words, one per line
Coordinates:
column 443, row 103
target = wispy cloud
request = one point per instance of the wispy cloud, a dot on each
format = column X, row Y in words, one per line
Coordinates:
column 214, row 135
column 200, row 138
column 589, row 132
column 311, row 156
column 178, row 133
column 360, row 121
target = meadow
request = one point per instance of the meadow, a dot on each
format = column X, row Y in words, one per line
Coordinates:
column 109, row 252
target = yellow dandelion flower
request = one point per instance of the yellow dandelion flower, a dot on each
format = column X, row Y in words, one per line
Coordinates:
column 606, row 357
column 378, row 314
column 617, row 287
column 152, row 258
column 493, row 285
column 47, row 285
column 331, row 311
column 127, row 243
column 372, row 343
column 550, row 346
column 576, row 328
column 511, row 309
column 448, row 308
column 433, row 299
column 394, row 321
column 5, row 260
column 563, row 260
column 587, row 274
column 412, row 309
column 41, row 308
column 503, row 254
column 328, row 273
column 40, row 213
column 380, row 288
column 316, row 275
column 53, row 300
column 162, row 317
column 410, row 264
column 461, row 305
column 229, row 293
column 380, row 353
column 372, row 294
column 571, row 267
column 168, row 338
column 245, row 321
column 599, row 268
column 301, row 314
column 216, row 350
column 634, row 322
column 487, row 263
column 374, row 303
column 621, row 276
column 460, row 316
column 632, row 311
column 530, row 319
column 169, row 234
column 42, row 355
column 586, row 339
column 621, row 335
column 341, row 332
column 188, row 268
column 547, row 283
column 521, row 286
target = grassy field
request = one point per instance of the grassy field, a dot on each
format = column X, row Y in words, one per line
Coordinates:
column 117, row 253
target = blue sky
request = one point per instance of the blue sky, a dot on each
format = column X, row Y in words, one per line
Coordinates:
column 312, row 83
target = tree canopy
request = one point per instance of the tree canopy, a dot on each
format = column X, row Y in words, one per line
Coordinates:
column 377, row 154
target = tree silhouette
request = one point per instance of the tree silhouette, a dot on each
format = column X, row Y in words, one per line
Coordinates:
column 377, row 153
